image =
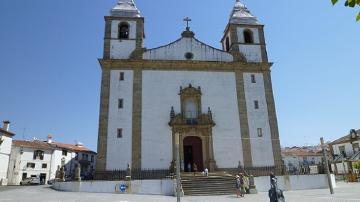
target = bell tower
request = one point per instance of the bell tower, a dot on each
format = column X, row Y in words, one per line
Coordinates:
column 124, row 31
column 244, row 36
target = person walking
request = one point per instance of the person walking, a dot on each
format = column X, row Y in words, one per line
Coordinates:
column 238, row 186
column 242, row 185
column 247, row 184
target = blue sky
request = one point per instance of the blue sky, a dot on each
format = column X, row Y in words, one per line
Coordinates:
column 50, row 76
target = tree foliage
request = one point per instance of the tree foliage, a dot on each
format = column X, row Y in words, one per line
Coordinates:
column 357, row 165
column 350, row 4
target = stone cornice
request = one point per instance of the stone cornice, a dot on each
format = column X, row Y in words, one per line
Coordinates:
column 184, row 65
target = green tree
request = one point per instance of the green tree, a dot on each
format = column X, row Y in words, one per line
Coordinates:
column 350, row 4
column 357, row 165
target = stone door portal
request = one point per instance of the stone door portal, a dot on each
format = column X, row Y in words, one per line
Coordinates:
column 193, row 154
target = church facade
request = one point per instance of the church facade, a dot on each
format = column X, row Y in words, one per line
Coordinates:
column 220, row 101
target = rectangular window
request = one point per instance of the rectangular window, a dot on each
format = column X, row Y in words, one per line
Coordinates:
column 256, row 104
column 260, row 132
column 342, row 151
column 30, row 165
column 121, row 103
column 64, row 152
column 253, row 79
column 121, row 78
column 38, row 154
column 119, row 133
column 76, row 156
column 356, row 147
column 92, row 158
column 44, row 165
column 24, row 176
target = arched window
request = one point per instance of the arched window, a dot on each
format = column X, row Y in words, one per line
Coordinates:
column 124, row 30
column 190, row 109
column 248, row 36
column 227, row 44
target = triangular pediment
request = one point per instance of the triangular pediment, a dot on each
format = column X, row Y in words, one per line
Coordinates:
column 187, row 48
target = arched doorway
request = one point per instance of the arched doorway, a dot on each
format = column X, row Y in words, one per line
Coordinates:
column 193, row 153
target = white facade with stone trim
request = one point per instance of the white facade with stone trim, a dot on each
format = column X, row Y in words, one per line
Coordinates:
column 160, row 86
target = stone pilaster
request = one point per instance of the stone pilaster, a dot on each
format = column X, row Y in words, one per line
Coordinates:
column 107, row 39
column 103, row 120
column 244, row 125
column 272, row 119
column 264, row 56
column 136, row 119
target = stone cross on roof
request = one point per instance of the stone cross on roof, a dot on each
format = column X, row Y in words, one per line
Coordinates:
column 187, row 20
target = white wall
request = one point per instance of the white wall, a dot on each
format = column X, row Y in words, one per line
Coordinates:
column 177, row 50
column 20, row 160
column 261, row 147
column 252, row 53
column 160, row 92
column 150, row 187
column 295, row 182
column 119, row 149
column 5, row 149
column 348, row 148
column 121, row 49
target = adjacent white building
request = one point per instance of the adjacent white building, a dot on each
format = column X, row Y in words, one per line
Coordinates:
column 345, row 151
column 5, row 150
column 219, row 101
column 43, row 158
column 296, row 158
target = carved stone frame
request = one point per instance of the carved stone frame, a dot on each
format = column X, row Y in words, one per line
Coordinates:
column 202, row 128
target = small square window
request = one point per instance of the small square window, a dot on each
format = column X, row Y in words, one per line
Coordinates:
column 44, row 165
column 253, row 78
column 64, row 152
column 121, row 103
column 256, row 104
column 260, row 132
column 119, row 133
column 121, row 78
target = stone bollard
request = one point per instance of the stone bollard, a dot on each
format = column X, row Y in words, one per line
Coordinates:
column 128, row 184
column 181, row 190
column 252, row 186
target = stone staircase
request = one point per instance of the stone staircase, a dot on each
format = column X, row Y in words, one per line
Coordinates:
column 214, row 184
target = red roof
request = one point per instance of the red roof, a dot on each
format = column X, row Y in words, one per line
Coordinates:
column 77, row 148
column 296, row 151
column 37, row 144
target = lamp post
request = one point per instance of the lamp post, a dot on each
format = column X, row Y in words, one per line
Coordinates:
column 327, row 166
column 177, row 142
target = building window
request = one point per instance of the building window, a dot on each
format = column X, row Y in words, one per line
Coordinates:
column 30, row 165
column 24, row 176
column 76, row 156
column 190, row 109
column 248, row 36
column 356, row 147
column 38, row 154
column 123, row 30
column 119, row 133
column 121, row 77
column 121, row 103
column 253, row 78
column 64, row 152
column 256, row 104
column 44, row 165
column 227, row 44
column 260, row 132
column 92, row 158
column 342, row 151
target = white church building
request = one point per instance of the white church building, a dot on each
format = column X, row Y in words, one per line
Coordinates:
column 220, row 101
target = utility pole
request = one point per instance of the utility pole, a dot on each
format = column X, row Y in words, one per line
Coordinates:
column 177, row 142
column 327, row 166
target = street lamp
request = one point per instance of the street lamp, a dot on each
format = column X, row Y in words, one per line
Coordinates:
column 177, row 142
